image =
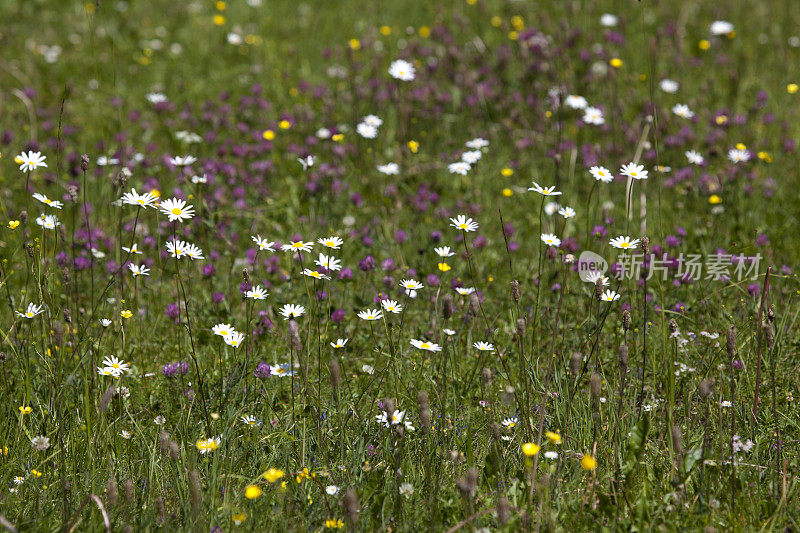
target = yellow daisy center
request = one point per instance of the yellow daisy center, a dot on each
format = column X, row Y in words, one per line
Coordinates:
column 176, row 211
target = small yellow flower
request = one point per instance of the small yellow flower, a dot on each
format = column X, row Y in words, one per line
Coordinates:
column 252, row 492
column 444, row 267
column 273, row 474
column 294, row 92
column 588, row 462
column 517, row 22
column 548, row 113
column 156, row 193
column 506, row 172
column 704, row 45
column 615, row 62
column 507, row 192
column 334, row 523
column 792, row 88
column 126, row 313
column 553, row 437
column 722, row 119
column 355, row 44
column 386, row 30
column 337, row 137
column 472, row 2
column 765, row 157
column 496, row 21
column 513, row 35
column 530, row 449
column 13, row 224
column 413, row 146
column 25, row 409
column 239, row 518
column 220, row 6
column 284, row 124
column 424, row 32
column 4, row 450
column 741, row 146
column 36, row 473
column 219, row 20
column 714, row 199
column 268, row 135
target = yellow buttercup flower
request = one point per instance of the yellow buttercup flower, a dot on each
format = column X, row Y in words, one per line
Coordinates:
column 588, row 462
column 792, row 88
column 507, row 192
column 273, row 474
column 517, row 22
column 506, row 172
column 25, row 409
column 334, row 523
column 252, row 492
column 268, row 135
column 337, row 137
column 219, row 20
column 126, row 313
column 444, row 267
column 413, row 146
column 714, row 199
column 220, row 6
column 530, row 449
column 741, row 146
column 553, row 437
column 355, row 44
column 765, row 157
column 615, row 62
column 284, row 124
column 239, row 518
column 722, row 119
column 36, row 473
column 496, row 21
column 424, row 32
column 12, row 224
column 704, row 45
column 386, row 30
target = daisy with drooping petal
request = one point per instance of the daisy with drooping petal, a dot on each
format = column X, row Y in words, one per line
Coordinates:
column 193, row 252
column 48, row 221
column 134, row 249
column 391, row 306
column 139, row 270
column 263, row 244
column 45, row 200
column 463, row 223
column 30, row 160
column 178, row 249
column 292, row 311
column 297, row 246
column 370, row 314
column 551, row 240
column 145, row 200
column 601, row 174
column 314, row 274
column 510, row 423
column 544, row 191
column 483, row 346
column 609, row 296
column 634, row 171
column 31, row 311
column 184, row 161
column 328, row 262
column 623, row 242
column 233, row 339
column 176, row 209
column 596, row 276
column 339, row 343
column 331, row 242
column 444, row 251
column 257, row 293
column 465, row 291
column 683, row 111
column 425, row 345
column 223, row 330
column 402, row 70
column 307, row 161
column 567, row 212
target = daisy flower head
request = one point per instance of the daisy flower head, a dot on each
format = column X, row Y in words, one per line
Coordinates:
column 567, row 212
column 634, row 171
column 594, row 276
column 425, row 345
column 391, row 306
column 608, row 20
column 463, row 223
column 307, row 161
column 402, row 70
column 297, row 246
column 292, row 311
column 398, row 417
column 477, row 143
column 622, row 242
column 45, row 200
column 194, row 252
column 390, row 169
column 601, row 174
column 223, row 330
column 411, row 284
column 465, row 291
column 694, row 157
column 332, row 490
column 30, row 160
column 594, row 116
column 48, row 221
column 370, row 314
column 449, row 332
column 609, row 296
column 367, row 131
column 339, row 343
column 40, row 443
column 178, row 249
column 553, row 437
column 156, row 98
column 328, row 262
column 138, row 270
column 145, row 200
column 176, row 209
column 460, row 167
column 738, row 156
column 406, row 489
column 182, row 161
column 510, row 423
column 373, row 121
column 551, row 240
column 720, row 27
column 257, row 293
column 280, row 370
column 574, row 101
column 471, row 157
column 250, row 420
column 683, row 111
column 314, row 274
column 117, row 366
column 263, row 244
column 234, row 339
column 134, row 249
column 544, row 191
column 550, row 454
column 669, row 86
column 444, row 251
column 31, row 311
column 331, row 242
column 483, row 346
column 206, row 446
